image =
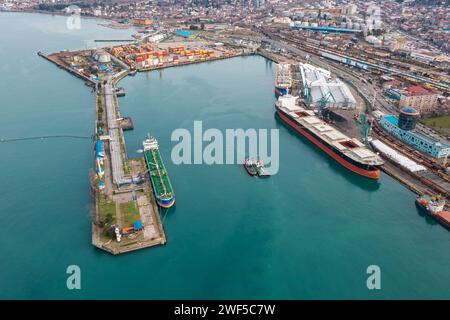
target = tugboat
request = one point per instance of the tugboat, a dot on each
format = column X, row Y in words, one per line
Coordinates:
column 434, row 207
column 256, row 168
column 260, row 168
column 250, row 166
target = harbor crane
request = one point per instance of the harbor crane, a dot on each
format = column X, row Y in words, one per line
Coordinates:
column 324, row 100
column 365, row 126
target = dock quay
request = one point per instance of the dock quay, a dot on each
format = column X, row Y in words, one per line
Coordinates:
column 268, row 55
column 149, row 56
column 171, row 65
column 125, row 215
column 126, row 123
column 54, row 59
column 124, row 201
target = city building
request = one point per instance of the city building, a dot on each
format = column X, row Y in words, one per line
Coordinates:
column 419, row 98
column 143, row 22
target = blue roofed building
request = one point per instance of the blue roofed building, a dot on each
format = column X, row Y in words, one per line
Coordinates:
column 184, row 33
column 426, row 144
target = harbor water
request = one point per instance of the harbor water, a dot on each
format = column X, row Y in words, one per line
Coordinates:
column 308, row 232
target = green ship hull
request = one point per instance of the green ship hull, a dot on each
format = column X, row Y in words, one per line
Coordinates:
column 162, row 187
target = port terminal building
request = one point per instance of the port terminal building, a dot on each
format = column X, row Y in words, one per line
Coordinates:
column 429, row 145
column 321, row 89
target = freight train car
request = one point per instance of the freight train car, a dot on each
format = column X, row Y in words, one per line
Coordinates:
column 344, row 60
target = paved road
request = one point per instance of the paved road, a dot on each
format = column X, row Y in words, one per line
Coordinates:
column 114, row 133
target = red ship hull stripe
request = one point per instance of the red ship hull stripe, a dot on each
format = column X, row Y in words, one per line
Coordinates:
column 374, row 174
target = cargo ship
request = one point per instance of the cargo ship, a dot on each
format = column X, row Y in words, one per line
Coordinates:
column 434, row 207
column 283, row 80
column 349, row 152
column 162, row 188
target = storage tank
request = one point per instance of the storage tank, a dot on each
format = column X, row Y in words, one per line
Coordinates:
column 104, row 58
column 408, row 118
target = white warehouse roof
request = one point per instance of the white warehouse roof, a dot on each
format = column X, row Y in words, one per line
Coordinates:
column 320, row 84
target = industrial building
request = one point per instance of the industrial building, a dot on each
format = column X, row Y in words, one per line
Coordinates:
column 429, row 145
column 320, row 89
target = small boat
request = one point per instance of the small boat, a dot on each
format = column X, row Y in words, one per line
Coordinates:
column 260, row 168
column 250, row 166
column 434, row 207
column 255, row 167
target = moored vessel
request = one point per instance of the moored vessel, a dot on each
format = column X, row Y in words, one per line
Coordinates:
column 250, row 166
column 349, row 152
column 255, row 167
column 161, row 185
column 283, row 79
column 435, row 208
column 261, row 169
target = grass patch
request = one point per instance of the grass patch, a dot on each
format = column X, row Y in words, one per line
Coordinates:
column 126, row 167
column 107, row 210
column 441, row 124
column 130, row 213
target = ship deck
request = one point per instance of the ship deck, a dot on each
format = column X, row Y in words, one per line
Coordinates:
column 351, row 147
column 158, row 173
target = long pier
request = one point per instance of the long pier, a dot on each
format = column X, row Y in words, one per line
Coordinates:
column 123, row 189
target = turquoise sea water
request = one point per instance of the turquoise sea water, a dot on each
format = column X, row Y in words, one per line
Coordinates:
column 308, row 232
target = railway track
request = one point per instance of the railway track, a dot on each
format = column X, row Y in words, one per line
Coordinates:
column 432, row 165
column 385, row 67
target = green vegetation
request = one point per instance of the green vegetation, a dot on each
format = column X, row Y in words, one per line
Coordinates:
column 106, row 211
column 126, row 167
column 130, row 213
column 441, row 124
column 60, row 7
column 99, row 108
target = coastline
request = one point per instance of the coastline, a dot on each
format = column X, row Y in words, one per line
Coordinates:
column 62, row 14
